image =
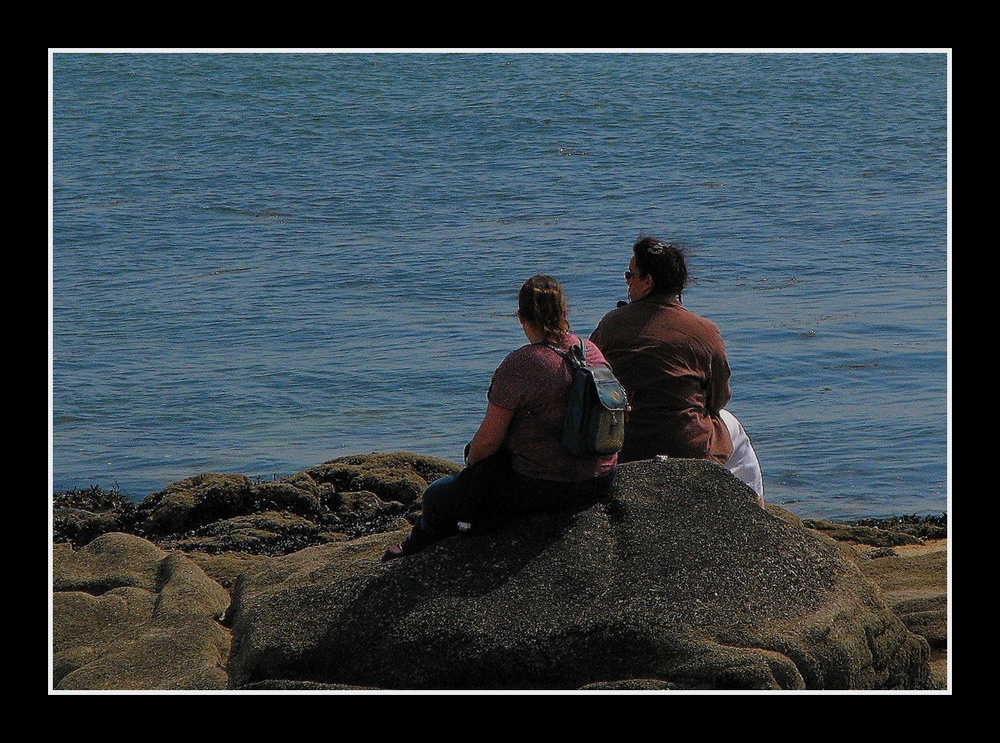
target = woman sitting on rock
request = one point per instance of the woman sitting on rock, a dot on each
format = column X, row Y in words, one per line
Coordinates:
column 517, row 453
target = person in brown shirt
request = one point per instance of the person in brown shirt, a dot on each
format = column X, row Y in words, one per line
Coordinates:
column 671, row 362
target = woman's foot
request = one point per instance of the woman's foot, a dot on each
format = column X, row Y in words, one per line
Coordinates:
column 396, row 550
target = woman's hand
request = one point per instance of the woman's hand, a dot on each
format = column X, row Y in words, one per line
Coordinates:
column 491, row 433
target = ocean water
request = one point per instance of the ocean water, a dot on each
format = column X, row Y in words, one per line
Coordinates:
column 260, row 262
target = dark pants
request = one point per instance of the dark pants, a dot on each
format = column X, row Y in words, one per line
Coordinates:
column 526, row 495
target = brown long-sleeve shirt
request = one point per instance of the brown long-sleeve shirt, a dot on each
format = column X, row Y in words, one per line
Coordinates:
column 673, row 366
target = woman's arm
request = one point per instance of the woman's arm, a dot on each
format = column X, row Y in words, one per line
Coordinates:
column 719, row 391
column 491, row 433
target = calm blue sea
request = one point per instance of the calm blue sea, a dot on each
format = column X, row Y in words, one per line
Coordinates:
column 263, row 261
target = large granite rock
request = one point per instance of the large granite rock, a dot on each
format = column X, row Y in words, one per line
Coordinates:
column 679, row 582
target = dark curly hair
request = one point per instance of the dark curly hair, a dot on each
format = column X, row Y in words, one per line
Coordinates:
column 542, row 301
column 665, row 262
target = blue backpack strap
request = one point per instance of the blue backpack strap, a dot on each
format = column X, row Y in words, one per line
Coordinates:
column 576, row 356
column 557, row 350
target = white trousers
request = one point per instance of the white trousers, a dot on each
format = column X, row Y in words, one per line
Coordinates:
column 743, row 463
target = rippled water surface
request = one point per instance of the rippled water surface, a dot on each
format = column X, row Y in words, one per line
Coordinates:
column 264, row 261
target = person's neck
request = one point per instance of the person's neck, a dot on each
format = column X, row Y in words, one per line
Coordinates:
column 660, row 296
column 534, row 333
column 534, row 336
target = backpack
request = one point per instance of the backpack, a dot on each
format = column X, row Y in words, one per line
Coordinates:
column 595, row 414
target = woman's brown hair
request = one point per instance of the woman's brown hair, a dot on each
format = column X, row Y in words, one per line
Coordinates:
column 542, row 301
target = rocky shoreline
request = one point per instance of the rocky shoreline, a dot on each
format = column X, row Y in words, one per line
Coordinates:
column 227, row 533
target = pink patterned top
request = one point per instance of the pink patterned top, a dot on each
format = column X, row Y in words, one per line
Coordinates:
column 534, row 382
